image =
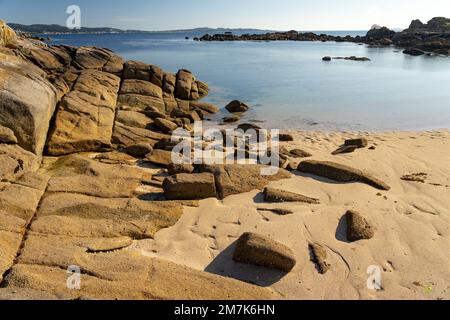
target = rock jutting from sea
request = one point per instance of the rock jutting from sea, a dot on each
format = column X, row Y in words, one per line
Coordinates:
column 418, row 39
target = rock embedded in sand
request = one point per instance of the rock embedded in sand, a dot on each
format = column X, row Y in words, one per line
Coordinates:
column 415, row 177
column 237, row 179
column 358, row 228
column 279, row 196
column 358, row 143
column 298, row 153
column 344, row 149
column 262, row 251
column 190, row 186
column 283, row 137
column 341, row 173
column 319, row 256
column 237, row 106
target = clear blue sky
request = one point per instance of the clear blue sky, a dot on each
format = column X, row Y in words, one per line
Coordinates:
column 263, row 14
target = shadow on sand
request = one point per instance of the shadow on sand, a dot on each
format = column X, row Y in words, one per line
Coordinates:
column 224, row 265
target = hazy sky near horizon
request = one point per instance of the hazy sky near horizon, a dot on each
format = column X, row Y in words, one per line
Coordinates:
column 262, row 14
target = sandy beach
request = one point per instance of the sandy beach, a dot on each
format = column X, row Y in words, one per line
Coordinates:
column 412, row 223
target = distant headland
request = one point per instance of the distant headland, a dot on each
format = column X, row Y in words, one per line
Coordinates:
column 419, row 39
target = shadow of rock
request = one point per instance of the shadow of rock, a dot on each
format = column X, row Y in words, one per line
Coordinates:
column 341, row 231
column 259, row 198
column 317, row 178
column 154, row 196
column 224, row 265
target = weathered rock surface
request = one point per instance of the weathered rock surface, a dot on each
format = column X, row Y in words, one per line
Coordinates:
column 341, row 173
column 27, row 102
column 319, row 256
column 358, row 228
column 278, row 196
column 236, row 179
column 139, row 150
column 85, row 117
column 174, row 169
column 262, row 251
column 127, row 276
column 358, row 142
column 7, row 136
column 190, row 186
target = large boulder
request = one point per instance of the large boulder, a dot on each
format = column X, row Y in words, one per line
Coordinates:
column 27, row 102
column 7, row 35
column 85, row 117
column 190, row 186
column 136, row 70
column 380, row 33
column 262, row 251
column 236, row 179
column 184, row 84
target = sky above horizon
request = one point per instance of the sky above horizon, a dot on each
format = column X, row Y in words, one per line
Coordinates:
column 261, row 14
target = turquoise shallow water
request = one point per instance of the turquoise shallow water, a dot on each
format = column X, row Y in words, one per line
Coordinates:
column 289, row 86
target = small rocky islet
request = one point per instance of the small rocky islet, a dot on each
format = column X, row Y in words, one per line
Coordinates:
column 85, row 141
column 419, row 39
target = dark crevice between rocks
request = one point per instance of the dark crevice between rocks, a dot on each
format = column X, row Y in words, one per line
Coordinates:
column 116, row 111
column 24, row 239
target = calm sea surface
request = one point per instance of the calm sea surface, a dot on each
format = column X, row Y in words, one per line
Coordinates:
column 289, row 86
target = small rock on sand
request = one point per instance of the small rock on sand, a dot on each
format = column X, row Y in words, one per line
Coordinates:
column 358, row 143
column 358, row 228
column 319, row 256
column 278, row 196
column 262, row 251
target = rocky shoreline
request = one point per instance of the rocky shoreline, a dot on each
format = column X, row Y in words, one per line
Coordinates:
column 87, row 180
column 418, row 39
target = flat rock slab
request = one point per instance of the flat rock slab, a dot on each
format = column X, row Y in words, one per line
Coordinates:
column 279, row 196
column 85, row 117
column 340, row 173
column 126, row 276
column 86, row 216
column 262, row 251
column 126, row 135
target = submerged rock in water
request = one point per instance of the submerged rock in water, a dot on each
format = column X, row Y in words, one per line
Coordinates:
column 237, row 106
column 262, row 251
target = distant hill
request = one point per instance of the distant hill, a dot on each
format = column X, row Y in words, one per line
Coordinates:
column 57, row 29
